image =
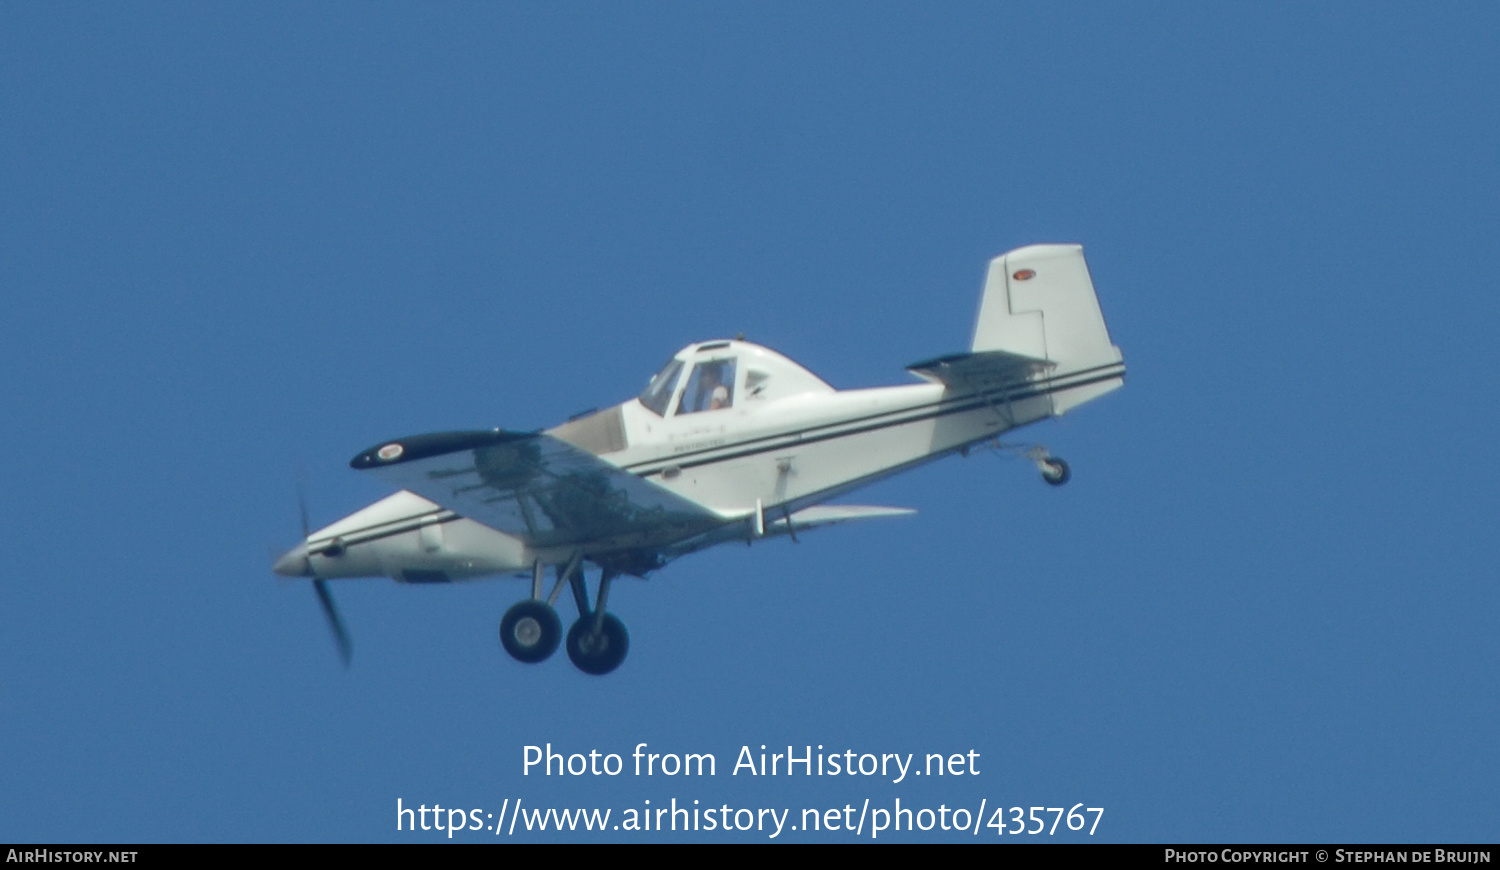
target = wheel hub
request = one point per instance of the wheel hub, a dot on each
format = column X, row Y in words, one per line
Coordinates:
column 528, row 631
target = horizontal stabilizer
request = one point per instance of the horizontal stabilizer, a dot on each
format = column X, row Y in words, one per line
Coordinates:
column 827, row 514
column 981, row 372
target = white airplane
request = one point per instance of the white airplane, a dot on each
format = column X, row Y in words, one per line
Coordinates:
column 730, row 441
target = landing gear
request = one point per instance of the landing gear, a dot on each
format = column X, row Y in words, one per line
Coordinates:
column 1054, row 470
column 597, row 643
column 530, row 631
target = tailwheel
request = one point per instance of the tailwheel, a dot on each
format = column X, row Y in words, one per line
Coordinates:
column 597, row 643
column 1054, row 470
column 531, row 631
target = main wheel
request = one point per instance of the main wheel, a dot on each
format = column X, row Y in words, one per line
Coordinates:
column 598, row 653
column 530, row 631
column 1055, row 471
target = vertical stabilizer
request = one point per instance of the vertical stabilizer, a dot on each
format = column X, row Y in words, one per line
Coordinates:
column 1039, row 301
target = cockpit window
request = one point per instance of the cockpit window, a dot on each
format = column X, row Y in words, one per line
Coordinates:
column 658, row 393
column 710, row 388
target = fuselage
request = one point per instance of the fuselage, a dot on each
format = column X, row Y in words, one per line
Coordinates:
column 729, row 425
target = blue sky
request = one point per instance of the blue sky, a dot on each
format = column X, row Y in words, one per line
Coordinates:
column 239, row 244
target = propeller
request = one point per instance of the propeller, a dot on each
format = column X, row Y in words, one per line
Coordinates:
column 335, row 622
column 320, row 586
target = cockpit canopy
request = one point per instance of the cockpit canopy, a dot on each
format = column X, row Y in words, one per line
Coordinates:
column 718, row 375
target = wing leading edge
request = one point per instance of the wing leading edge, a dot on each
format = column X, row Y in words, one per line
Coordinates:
column 537, row 488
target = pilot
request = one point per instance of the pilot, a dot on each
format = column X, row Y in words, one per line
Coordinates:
column 711, row 388
column 719, row 396
column 709, row 392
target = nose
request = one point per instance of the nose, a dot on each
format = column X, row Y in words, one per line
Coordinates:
column 294, row 562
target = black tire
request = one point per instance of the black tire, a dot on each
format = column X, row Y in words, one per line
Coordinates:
column 530, row 631
column 1055, row 471
column 600, row 653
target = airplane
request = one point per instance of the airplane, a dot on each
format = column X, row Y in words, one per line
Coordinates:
column 729, row 442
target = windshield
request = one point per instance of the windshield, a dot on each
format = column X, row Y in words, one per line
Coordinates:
column 659, row 392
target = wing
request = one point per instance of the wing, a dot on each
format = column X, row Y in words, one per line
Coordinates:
column 534, row 487
column 982, row 371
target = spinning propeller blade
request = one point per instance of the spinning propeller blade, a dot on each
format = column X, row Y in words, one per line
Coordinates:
column 335, row 622
column 302, row 509
column 296, row 563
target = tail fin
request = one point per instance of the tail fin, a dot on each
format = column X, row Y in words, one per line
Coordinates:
column 1040, row 302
